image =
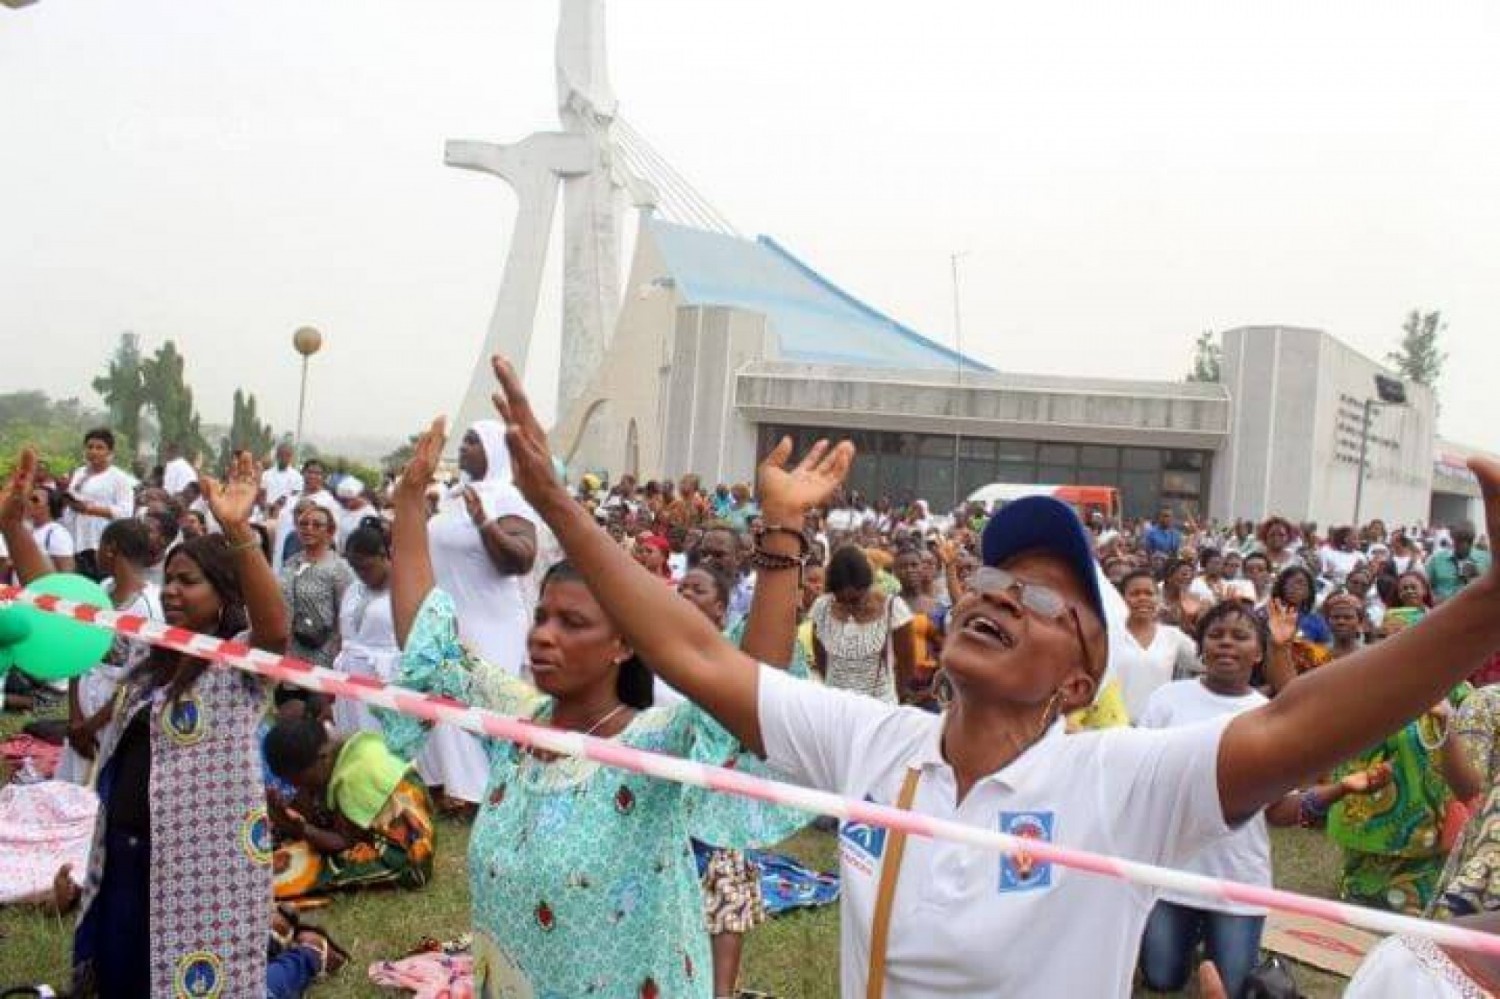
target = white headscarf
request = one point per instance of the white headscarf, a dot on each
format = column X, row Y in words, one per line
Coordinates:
column 491, row 434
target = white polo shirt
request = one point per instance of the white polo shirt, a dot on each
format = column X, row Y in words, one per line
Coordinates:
column 967, row 922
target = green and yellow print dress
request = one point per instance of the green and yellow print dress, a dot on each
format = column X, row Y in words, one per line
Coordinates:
column 1392, row 839
column 582, row 876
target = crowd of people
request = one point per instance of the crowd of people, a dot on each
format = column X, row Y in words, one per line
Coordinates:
column 1155, row 690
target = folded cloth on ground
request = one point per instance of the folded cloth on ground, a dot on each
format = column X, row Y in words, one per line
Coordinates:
column 42, row 827
column 428, row 976
column 784, row 884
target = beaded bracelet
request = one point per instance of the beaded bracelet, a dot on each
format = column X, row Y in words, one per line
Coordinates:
column 804, row 546
column 1312, row 811
column 775, row 561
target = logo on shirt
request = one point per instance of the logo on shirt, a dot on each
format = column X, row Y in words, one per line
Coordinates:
column 861, row 844
column 255, row 836
column 185, row 720
column 200, row 975
column 1021, row 871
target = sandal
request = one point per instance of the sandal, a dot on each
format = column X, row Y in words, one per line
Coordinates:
column 331, row 957
column 285, row 923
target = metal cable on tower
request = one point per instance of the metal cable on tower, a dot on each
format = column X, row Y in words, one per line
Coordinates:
column 671, row 178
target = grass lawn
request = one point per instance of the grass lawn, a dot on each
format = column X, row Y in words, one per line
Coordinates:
column 795, row 957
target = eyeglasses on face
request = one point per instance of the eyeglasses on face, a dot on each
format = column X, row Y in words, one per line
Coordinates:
column 1037, row 598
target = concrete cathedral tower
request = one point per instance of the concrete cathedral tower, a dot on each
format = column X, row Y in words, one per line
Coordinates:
column 582, row 158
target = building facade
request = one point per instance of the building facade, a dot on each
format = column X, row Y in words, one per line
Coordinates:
column 729, row 344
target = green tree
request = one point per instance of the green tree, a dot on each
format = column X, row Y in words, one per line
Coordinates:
column 124, row 392
column 246, row 430
column 54, row 428
column 397, row 459
column 1208, row 356
column 1418, row 357
column 170, row 398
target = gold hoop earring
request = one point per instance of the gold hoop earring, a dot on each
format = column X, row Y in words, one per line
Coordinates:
column 1047, row 715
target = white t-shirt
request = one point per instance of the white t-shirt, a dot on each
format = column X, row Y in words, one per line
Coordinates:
column 1336, row 564
column 110, row 488
column 1144, row 670
column 54, row 539
column 280, row 483
column 177, row 474
column 967, row 922
column 1245, row 855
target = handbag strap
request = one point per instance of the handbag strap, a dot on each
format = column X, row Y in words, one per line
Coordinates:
column 890, row 872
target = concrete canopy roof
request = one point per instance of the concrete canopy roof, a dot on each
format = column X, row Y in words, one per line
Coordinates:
column 815, row 321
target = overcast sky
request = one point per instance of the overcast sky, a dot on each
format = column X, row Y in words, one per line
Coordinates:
column 1122, row 176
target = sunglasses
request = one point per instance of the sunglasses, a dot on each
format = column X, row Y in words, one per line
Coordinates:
column 1037, row 598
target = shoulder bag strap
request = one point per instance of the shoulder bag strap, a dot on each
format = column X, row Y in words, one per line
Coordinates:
column 890, row 872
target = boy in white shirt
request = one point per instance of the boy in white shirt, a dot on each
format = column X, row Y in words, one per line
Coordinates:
column 98, row 493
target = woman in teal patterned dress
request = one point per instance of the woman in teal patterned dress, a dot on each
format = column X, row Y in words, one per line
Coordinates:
column 582, row 876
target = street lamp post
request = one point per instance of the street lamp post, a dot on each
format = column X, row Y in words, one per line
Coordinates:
column 958, row 349
column 307, row 341
column 1390, row 392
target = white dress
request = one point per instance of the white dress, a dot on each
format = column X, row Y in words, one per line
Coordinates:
column 369, row 649
column 1142, row 670
column 97, row 687
column 494, row 614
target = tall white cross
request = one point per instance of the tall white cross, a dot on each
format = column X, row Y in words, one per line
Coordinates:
column 580, row 157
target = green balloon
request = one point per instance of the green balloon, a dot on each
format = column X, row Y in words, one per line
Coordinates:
column 56, row 647
column 14, row 627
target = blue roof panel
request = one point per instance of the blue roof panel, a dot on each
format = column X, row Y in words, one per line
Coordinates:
column 815, row 321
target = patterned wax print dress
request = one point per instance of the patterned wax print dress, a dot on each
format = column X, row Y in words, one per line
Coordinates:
column 210, row 842
column 582, row 876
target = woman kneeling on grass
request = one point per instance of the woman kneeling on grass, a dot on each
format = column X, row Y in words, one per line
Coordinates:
column 1026, row 645
column 1234, row 643
column 581, row 876
column 362, row 816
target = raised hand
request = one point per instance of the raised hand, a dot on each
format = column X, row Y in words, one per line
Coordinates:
column 13, row 499
column 474, row 506
column 419, row 470
column 812, row 482
column 1282, row 618
column 530, row 456
column 233, row 500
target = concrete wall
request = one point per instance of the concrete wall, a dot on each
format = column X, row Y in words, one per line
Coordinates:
column 704, row 433
column 1099, row 411
column 1297, row 406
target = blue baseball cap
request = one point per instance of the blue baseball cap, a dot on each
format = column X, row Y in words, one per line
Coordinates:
column 1041, row 523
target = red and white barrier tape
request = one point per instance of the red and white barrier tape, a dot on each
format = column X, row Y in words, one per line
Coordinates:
column 434, row 708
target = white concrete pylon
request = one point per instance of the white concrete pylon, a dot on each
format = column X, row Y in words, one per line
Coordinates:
column 582, row 156
column 533, row 167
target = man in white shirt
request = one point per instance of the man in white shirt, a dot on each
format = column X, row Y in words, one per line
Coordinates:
column 278, row 483
column 98, row 493
column 177, row 472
